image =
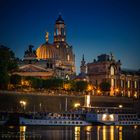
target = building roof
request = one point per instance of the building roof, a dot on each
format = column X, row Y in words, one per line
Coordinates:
column 130, row 72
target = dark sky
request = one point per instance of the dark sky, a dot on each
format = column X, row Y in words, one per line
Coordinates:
column 93, row 26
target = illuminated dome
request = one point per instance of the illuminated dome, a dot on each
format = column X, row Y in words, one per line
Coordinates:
column 46, row 51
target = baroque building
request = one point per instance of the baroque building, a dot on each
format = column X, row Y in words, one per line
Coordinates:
column 106, row 69
column 50, row 59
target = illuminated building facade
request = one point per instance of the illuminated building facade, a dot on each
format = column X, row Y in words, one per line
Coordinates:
column 50, row 59
column 107, row 69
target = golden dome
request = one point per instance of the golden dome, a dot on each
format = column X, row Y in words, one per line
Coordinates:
column 46, row 51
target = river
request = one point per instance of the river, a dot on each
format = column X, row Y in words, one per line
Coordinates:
column 69, row 133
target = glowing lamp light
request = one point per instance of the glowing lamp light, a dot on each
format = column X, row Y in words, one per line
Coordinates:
column 23, row 104
column 98, row 91
column 117, row 90
column 90, row 87
column 120, row 106
column 76, row 105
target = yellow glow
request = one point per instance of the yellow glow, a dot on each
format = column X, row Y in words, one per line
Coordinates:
column 104, row 132
column 111, row 117
column 23, row 102
column 25, row 83
column 135, row 95
column 47, row 36
column 88, row 128
column 22, row 132
column 107, row 117
column 77, row 133
column 135, row 127
column 111, row 132
column 67, row 86
column 90, row 87
column 76, row 105
column 120, row 133
column 120, row 106
column 98, row 91
column 116, row 90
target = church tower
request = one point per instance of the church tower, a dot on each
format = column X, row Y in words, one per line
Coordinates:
column 59, row 30
column 83, row 65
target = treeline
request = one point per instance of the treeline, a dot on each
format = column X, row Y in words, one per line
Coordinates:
column 51, row 84
column 8, row 64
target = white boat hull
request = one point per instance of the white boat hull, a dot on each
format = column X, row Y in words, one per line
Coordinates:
column 26, row 121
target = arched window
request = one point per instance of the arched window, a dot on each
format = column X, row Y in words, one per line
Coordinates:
column 112, row 70
column 68, row 57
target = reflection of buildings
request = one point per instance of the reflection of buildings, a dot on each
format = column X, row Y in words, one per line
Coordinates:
column 50, row 59
column 107, row 69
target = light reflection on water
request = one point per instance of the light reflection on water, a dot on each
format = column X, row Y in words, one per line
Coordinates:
column 70, row 133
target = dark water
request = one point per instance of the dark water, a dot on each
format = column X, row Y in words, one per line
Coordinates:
column 70, row 133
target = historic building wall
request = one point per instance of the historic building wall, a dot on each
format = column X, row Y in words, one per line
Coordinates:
column 107, row 69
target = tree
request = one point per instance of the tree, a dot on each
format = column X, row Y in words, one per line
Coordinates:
column 105, row 87
column 15, row 79
column 81, row 86
column 8, row 64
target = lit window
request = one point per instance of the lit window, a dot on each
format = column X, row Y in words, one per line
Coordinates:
column 112, row 82
column 128, row 93
column 135, row 84
column 68, row 57
column 128, row 84
column 136, row 94
column 112, row 70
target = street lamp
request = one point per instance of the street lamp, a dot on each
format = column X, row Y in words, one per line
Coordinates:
column 23, row 104
column 120, row 106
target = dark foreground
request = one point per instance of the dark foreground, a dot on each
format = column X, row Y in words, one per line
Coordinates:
column 69, row 133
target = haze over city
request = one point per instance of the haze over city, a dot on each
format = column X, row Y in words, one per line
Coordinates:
column 93, row 27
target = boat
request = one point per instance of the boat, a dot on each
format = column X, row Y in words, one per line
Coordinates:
column 55, row 119
column 113, row 116
column 85, row 115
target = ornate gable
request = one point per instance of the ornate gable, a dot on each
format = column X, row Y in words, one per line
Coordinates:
column 31, row 68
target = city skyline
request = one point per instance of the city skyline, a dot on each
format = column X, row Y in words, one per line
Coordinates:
column 93, row 28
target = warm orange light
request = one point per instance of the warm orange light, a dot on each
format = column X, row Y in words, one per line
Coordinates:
column 90, row 87
column 116, row 90
column 66, row 86
column 98, row 91
column 25, row 83
column 76, row 105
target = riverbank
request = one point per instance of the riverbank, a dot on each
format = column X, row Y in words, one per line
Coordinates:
column 36, row 101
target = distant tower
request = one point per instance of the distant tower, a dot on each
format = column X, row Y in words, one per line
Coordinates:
column 59, row 30
column 83, row 65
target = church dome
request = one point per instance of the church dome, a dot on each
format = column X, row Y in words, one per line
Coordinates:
column 46, row 51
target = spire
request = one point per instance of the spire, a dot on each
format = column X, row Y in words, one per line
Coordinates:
column 112, row 56
column 59, row 19
column 83, row 65
column 83, row 59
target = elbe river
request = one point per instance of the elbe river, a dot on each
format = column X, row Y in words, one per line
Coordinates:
column 70, row 133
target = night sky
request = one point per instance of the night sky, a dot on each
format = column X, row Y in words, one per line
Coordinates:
column 93, row 27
